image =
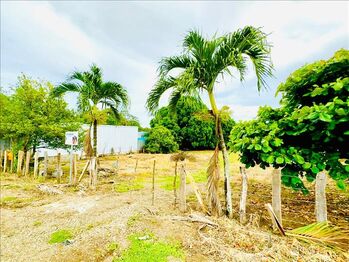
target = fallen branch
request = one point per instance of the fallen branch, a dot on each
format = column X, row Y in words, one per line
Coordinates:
column 194, row 218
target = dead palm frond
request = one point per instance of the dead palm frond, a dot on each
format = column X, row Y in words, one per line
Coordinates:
column 320, row 233
column 324, row 234
column 212, row 182
column 87, row 144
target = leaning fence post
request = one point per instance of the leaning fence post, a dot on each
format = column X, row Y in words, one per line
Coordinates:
column 19, row 163
column 45, row 163
column 5, row 161
column 153, row 185
column 75, row 165
column 136, row 165
column 243, row 197
column 276, row 194
column 182, row 188
column 36, row 164
column 27, row 162
column 320, row 197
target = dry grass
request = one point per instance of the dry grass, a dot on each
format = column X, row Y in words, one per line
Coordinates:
column 101, row 220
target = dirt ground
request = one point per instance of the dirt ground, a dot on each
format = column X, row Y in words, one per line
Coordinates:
column 122, row 206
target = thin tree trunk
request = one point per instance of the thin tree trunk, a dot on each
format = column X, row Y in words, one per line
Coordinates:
column 95, row 138
column 243, row 197
column 320, row 197
column 227, row 187
column 276, row 194
column 175, row 185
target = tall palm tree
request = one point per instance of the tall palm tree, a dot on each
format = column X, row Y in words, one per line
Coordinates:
column 92, row 92
column 202, row 61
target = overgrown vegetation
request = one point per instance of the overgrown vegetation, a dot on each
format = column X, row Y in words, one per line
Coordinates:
column 308, row 133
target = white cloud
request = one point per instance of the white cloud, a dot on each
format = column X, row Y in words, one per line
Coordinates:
column 127, row 39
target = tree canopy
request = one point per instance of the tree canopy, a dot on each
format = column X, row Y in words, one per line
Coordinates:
column 30, row 116
column 191, row 124
column 309, row 133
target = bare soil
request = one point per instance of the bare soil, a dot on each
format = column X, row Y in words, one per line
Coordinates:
column 100, row 217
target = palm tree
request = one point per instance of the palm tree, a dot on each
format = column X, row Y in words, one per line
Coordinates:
column 93, row 92
column 201, row 62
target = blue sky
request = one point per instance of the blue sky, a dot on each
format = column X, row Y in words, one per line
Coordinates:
column 48, row 40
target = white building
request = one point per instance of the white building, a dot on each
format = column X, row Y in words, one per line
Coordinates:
column 110, row 139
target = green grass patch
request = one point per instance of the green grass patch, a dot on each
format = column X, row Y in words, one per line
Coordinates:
column 37, row 223
column 126, row 186
column 145, row 247
column 200, row 176
column 111, row 247
column 166, row 182
column 15, row 202
column 60, row 236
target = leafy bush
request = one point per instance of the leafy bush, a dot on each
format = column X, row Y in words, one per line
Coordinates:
column 160, row 140
column 309, row 133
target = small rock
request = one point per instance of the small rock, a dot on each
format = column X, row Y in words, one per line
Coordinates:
column 68, row 242
column 144, row 237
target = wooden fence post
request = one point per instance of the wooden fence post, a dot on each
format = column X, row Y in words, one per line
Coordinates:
column 12, row 161
column 75, row 170
column 93, row 173
column 59, row 168
column 27, row 162
column 5, row 161
column 45, row 163
column 243, row 197
column 1, row 155
column 276, row 194
column 320, row 197
column 182, row 188
column 153, row 186
column 19, row 163
column 36, row 164
column 136, row 165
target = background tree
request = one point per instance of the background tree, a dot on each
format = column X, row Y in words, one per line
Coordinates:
column 30, row 116
column 202, row 61
column 309, row 132
column 192, row 125
column 160, row 140
column 93, row 92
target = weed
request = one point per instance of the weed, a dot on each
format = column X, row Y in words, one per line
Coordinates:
column 149, row 249
column 60, row 236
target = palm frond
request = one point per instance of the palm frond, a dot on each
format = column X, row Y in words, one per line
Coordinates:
column 212, row 182
column 324, row 234
column 87, row 143
column 169, row 63
column 65, row 87
column 163, row 84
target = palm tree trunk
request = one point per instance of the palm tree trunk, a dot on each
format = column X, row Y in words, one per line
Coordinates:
column 227, row 187
column 95, row 137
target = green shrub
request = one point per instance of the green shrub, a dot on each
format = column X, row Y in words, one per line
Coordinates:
column 160, row 140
